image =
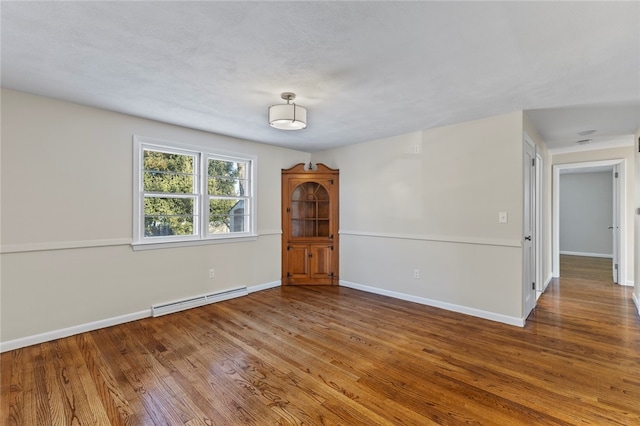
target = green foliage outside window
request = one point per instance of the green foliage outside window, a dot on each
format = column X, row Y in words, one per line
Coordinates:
column 170, row 184
column 169, row 174
column 226, row 179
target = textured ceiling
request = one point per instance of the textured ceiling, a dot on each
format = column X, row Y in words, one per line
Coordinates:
column 364, row 70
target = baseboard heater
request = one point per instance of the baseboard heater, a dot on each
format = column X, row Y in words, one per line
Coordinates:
column 193, row 302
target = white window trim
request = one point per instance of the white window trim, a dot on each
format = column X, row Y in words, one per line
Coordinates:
column 203, row 155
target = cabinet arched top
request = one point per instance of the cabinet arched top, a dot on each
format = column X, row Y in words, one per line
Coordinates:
column 304, row 168
column 310, row 190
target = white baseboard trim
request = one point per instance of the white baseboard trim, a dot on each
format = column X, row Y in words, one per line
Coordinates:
column 628, row 283
column 264, row 286
column 544, row 286
column 95, row 325
column 546, row 282
column 70, row 331
column 438, row 304
column 636, row 300
column 580, row 253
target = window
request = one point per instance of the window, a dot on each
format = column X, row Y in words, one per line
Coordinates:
column 190, row 194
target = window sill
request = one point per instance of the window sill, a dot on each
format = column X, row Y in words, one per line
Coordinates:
column 176, row 244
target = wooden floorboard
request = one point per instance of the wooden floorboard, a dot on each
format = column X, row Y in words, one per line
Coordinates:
column 333, row 355
column 585, row 267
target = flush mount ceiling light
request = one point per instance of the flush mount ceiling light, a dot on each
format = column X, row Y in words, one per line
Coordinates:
column 288, row 116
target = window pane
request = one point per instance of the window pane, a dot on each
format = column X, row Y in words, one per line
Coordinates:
column 171, row 173
column 161, row 206
column 227, row 216
column 160, row 226
column 228, row 178
column 228, row 169
column 168, row 182
column 166, row 162
column 225, row 186
column 169, row 216
column 227, row 224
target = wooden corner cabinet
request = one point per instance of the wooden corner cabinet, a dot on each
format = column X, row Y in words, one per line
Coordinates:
column 310, row 225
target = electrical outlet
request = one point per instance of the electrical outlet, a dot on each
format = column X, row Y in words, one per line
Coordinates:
column 212, row 273
column 502, row 217
column 416, row 273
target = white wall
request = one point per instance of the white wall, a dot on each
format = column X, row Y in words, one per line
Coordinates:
column 623, row 153
column 67, row 219
column 436, row 210
column 586, row 210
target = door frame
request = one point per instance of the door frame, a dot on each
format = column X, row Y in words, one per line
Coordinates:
column 540, row 279
column 530, row 261
column 616, row 272
column 621, row 210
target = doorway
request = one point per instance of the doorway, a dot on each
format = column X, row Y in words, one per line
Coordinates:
column 615, row 228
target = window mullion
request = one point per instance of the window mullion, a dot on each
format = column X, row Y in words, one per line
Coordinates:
column 204, row 195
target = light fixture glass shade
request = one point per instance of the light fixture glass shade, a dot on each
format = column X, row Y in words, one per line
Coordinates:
column 287, row 117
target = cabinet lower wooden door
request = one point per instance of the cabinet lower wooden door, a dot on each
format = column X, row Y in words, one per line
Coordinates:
column 298, row 263
column 310, row 226
column 320, row 263
column 310, row 264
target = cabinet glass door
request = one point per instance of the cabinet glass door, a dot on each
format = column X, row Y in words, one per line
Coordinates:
column 310, row 210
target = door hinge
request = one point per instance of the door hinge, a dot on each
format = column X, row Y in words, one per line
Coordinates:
column 533, row 286
column 331, row 181
column 288, row 274
column 615, row 175
column 533, row 162
column 288, row 210
column 331, row 248
column 331, row 274
column 615, row 266
column 288, row 248
column 310, row 254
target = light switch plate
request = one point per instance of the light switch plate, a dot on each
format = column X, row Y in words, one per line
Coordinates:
column 502, row 217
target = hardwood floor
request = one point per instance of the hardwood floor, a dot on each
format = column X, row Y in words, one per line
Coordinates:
column 333, row 355
column 589, row 268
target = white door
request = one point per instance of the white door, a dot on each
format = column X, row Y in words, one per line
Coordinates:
column 529, row 264
column 615, row 225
